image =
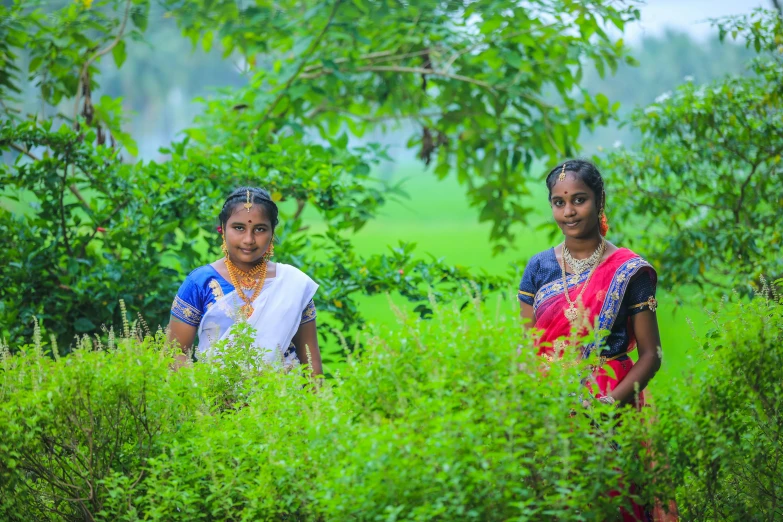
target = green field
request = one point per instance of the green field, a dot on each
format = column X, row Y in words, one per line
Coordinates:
column 438, row 219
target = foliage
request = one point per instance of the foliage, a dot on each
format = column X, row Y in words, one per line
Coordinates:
column 489, row 86
column 721, row 431
column 706, row 176
column 665, row 61
column 98, row 229
column 450, row 418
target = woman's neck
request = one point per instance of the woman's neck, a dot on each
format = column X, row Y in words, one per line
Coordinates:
column 582, row 248
column 245, row 267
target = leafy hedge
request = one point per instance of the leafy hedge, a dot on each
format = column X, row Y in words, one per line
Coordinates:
column 451, row 418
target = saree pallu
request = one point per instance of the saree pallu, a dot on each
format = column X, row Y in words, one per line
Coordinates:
column 600, row 305
column 276, row 317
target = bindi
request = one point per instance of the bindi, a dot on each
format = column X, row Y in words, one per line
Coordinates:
column 248, row 221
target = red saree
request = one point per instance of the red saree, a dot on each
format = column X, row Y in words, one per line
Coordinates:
column 601, row 301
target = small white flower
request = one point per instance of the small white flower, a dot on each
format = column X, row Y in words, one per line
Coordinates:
column 688, row 78
column 663, row 97
column 617, row 144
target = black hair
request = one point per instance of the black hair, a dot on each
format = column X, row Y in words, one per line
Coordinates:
column 257, row 195
column 586, row 171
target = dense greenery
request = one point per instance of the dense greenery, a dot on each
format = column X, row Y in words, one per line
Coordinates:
column 707, row 176
column 452, row 418
column 722, row 427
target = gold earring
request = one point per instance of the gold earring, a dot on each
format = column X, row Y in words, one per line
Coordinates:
column 224, row 247
column 270, row 252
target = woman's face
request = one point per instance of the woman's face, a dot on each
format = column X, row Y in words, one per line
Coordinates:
column 248, row 234
column 574, row 207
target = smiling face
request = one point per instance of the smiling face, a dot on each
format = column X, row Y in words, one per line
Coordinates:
column 574, row 207
column 248, row 235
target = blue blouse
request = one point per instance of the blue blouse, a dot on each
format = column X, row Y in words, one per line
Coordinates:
column 202, row 288
column 543, row 268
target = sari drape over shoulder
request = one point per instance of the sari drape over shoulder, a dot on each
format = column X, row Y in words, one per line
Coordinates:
column 602, row 299
column 210, row 303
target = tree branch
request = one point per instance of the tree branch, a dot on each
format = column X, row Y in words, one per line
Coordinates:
column 379, row 56
column 74, row 190
column 300, row 206
column 412, row 70
column 306, row 56
column 62, row 214
column 90, row 61
column 458, row 54
column 744, row 186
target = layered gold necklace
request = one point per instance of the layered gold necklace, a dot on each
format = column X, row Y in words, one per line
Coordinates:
column 251, row 281
column 594, row 260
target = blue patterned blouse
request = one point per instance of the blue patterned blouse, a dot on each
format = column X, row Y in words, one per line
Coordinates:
column 543, row 268
column 202, row 288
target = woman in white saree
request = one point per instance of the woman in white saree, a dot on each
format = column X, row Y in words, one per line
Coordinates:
column 275, row 298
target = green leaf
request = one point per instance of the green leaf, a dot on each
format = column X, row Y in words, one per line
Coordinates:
column 140, row 16
column 83, row 325
column 119, row 53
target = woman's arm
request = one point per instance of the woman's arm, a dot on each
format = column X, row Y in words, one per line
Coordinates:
column 526, row 312
column 306, row 343
column 184, row 335
column 645, row 327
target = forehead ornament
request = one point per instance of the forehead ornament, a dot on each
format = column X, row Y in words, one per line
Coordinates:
column 561, row 177
column 248, row 205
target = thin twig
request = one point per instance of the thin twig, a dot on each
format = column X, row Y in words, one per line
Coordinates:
column 738, row 206
column 412, row 70
column 306, row 56
column 72, row 187
column 475, row 46
column 380, row 56
column 90, row 61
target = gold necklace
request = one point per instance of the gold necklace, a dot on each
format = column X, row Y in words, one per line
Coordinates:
column 581, row 265
column 253, row 280
column 571, row 312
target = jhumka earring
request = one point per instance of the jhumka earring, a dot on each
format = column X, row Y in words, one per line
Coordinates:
column 561, row 177
column 248, row 204
column 224, row 246
column 270, row 252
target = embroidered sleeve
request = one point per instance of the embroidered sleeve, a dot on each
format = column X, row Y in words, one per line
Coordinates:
column 187, row 305
column 527, row 287
column 640, row 295
column 308, row 314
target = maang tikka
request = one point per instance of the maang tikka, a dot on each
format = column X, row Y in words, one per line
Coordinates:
column 248, row 204
column 561, row 177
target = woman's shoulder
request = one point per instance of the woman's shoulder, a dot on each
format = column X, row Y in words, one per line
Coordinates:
column 201, row 275
column 291, row 272
column 625, row 255
column 543, row 258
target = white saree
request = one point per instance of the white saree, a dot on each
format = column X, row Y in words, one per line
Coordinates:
column 276, row 317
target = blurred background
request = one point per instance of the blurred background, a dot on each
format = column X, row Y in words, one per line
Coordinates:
column 166, row 81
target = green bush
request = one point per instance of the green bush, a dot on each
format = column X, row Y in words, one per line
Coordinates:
column 449, row 418
column 722, row 427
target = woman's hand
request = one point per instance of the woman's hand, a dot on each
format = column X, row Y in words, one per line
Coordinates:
column 183, row 335
column 648, row 339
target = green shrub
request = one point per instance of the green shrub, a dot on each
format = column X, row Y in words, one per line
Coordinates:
column 449, row 418
column 722, row 426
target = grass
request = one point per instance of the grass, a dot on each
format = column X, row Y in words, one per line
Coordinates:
column 439, row 219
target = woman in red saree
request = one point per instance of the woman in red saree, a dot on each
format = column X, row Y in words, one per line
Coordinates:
column 586, row 281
